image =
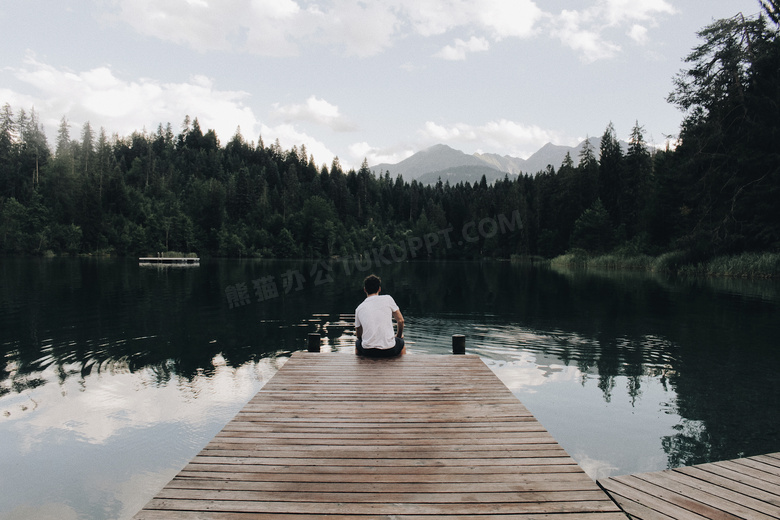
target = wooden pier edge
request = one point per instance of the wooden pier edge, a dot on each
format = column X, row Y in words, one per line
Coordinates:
column 418, row 436
column 740, row 488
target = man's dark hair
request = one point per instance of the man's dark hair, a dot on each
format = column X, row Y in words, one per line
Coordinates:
column 371, row 284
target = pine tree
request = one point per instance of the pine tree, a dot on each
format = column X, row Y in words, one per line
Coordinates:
column 87, row 148
column 772, row 10
column 729, row 137
column 7, row 132
column 588, row 168
column 34, row 139
column 7, row 156
column 593, row 230
column 64, row 148
column 636, row 181
column 610, row 173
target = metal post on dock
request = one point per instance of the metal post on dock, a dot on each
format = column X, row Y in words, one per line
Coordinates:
column 314, row 342
column 458, row 344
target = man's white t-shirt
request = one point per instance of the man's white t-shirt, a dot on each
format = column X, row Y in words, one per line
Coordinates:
column 375, row 315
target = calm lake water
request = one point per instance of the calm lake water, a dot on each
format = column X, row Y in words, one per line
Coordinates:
column 113, row 375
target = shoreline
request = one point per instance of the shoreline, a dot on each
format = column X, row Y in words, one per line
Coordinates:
column 742, row 265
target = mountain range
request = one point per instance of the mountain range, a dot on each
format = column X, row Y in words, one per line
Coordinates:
column 443, row 162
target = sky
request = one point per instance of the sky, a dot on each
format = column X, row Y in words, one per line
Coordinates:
column 356, row 79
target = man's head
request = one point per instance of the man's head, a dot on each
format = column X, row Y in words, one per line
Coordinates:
column 372, row 284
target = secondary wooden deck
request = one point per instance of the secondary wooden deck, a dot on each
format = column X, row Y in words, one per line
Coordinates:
column 416, row 437
column 161, row 260
column 743, row 488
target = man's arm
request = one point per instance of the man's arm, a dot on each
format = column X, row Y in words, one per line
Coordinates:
column 359, row 332
column 399, row 321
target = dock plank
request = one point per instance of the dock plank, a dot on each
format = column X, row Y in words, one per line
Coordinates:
column 419, row 436
column 747, row 488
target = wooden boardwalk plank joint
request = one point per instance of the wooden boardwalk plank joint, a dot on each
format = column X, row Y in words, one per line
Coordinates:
column 746, row 488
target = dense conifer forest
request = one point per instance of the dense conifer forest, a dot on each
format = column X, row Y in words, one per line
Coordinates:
column 715, row 192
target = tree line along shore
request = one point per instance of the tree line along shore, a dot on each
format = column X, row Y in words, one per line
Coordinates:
column 706, row 204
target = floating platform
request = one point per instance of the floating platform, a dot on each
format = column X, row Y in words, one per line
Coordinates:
column 154, row 260
column 742, row 488
column 416, row 437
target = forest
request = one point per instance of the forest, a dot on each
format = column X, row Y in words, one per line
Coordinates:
column 715, row 192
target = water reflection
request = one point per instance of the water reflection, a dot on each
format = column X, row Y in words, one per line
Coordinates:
column 629, row 371
column 101, row 445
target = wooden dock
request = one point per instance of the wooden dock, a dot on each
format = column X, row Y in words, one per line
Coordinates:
column 161, row 260
column 416, row 437
column 746, row 488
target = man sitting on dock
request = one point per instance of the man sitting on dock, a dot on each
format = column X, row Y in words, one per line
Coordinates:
column 374, row 323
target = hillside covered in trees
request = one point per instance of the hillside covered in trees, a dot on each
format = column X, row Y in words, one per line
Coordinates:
column 716, row 192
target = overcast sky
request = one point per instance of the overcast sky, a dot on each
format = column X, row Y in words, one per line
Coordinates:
column 356, row 78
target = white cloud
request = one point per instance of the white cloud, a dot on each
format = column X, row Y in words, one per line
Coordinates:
column 584, row 30
column 18, row 99
column 442, row 134
column 276, row 9
column 290, row 136
column 588, row 42
column 617, row 12
column 506, row 137
column 458, row 51
column 508, row 18
column 502, row 18
column 435, row 17
column 362, row 150
column 281, row 27
column 125, row 106
column 124, row 400
column 265, row 27
column 361, row 28
column 269, row 25
column 638, row 33
column 120, row 105
column 196, row 24
column 366, row 28
column 526, row 372
column 317, row 111
column 595, row 468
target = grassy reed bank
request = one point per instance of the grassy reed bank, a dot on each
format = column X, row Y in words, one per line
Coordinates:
column 744, row 265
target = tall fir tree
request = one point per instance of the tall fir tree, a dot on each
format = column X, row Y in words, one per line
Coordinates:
column 636, row 182
column 611, row 173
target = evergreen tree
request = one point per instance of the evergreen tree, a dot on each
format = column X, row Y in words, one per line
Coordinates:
column 729, row 137
column 593, row 230
column 611, row 173
column 87, row 148
column 588, row 167
column 36, row 147
column 64, row 148
column 7, row 159
column 636, row 182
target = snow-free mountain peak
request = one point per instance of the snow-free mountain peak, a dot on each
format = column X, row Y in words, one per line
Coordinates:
column 449, row 164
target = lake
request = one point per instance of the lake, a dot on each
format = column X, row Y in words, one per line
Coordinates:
column 114, row 375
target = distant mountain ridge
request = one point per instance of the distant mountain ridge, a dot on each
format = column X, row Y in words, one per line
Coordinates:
column 439, row 157
column 442, row 161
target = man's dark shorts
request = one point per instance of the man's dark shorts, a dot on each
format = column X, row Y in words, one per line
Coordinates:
column 380, row 352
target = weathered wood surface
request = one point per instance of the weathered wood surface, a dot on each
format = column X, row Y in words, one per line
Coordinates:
column 746, row 488
column 420, row 436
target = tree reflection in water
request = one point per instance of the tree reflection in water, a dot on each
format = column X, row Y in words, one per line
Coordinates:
column 710, row 341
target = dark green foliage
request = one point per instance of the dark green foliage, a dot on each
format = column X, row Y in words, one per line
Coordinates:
column 728, row 158
column 716, row 193
column 611, row 175
column 593, row 230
